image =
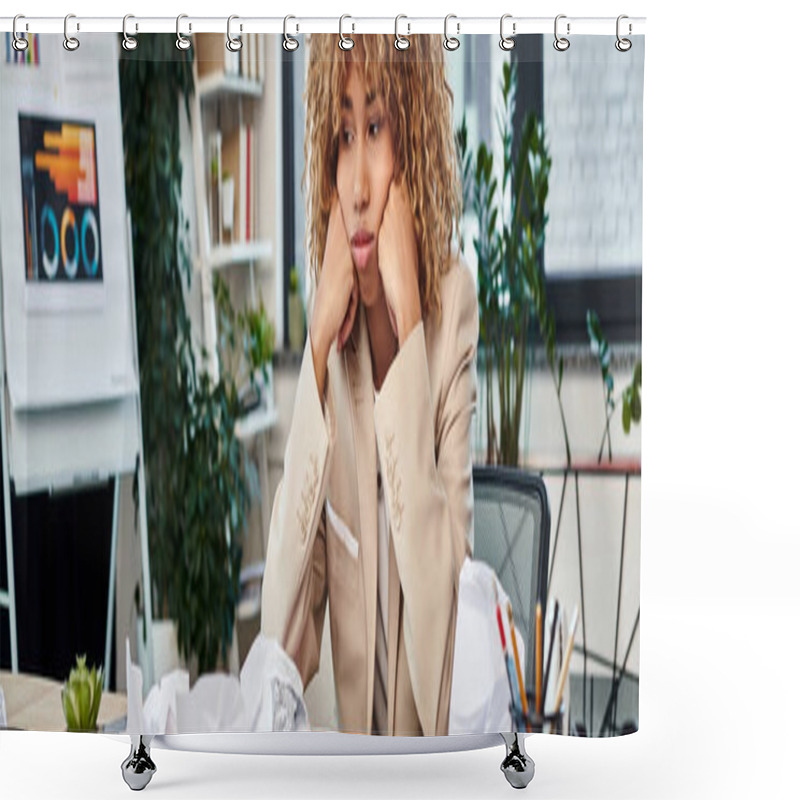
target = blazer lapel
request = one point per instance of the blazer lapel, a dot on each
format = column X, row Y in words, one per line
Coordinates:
column 362, row 403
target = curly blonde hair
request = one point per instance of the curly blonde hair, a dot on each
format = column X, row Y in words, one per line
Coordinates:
column 418, row 99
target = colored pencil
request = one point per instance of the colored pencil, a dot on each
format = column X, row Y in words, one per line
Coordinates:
column 523, row 698
column 565, row 666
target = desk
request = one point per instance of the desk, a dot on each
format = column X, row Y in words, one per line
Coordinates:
column 34, row 703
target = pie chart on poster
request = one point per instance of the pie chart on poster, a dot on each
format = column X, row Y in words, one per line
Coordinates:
column 89, row 239
column 69, row 243
column 50, row 249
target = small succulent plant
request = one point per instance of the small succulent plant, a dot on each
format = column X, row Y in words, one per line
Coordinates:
column 81, row 696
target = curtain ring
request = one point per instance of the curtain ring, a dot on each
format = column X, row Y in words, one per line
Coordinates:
column 234, row 45
column 450, row 42
column 561, row 43
column 507, row 42
column 182, row 43
column 20, row 42
column 70, row 42
column 290, row 44
column 623, row 45
column 345, row 42
column 128, row 42
column 401, row 42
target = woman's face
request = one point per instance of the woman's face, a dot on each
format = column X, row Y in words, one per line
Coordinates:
column 363, row 176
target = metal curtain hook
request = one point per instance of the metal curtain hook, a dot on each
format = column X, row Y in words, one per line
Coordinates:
column 290, row 44
column 623, row 45
column 182, row 43
column 233, row 44
column 507, row 42
column 450, row 42
column 128, row 42
column 345, row 42
column 561, row 43
column 70, row 42
column 401, row 42
column 20, row 42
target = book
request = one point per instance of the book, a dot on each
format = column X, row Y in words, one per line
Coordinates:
column 248, row 185
column 214, row 187
column 238, row 161
column 210, row 53
column 252, row 53
column 253, row 181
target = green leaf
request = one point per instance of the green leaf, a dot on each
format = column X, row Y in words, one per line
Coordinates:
column 69, row 702
column 636, row 407
column 626, row 416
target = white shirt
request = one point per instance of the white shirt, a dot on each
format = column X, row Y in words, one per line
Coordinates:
column 380, row 716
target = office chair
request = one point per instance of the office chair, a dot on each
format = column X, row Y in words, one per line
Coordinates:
column 512, row 535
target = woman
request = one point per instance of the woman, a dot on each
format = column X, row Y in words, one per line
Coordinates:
column 374, row 511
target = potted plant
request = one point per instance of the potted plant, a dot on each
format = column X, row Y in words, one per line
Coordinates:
column 296, row 312
column 81, row 695
column 511, row 227
column 259, row 344
column 247, row 344
column 631, row 396
column 196, row 493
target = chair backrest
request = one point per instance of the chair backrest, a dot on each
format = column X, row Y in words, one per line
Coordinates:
column 512, row 535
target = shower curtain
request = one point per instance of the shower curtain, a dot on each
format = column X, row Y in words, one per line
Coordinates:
column 323, row 396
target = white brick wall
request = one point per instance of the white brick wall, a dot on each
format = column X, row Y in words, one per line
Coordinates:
column 593, row 122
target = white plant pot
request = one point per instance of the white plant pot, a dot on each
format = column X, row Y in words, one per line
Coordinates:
column 165, row 651
column 227, row 203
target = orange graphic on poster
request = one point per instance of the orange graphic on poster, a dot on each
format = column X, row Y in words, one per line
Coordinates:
column 71, row 166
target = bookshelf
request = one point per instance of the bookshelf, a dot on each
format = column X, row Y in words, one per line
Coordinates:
column 237, row 159
column 236, row 148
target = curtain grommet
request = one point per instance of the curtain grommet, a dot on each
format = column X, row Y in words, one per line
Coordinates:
column 451, row 43
column 129, row 42
column 233, row 43
column 290, row 44
column 561, row 43
column 181, row 42
column 507, row 42
column 401, row 42
column 71, row 43
column 20, row 43
column 345, row 42
column 623, row 45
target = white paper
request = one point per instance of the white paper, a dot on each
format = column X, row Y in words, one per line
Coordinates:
column 267, row 696
column 480, row 694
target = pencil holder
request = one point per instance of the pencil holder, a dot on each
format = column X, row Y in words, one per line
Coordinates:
column 537, row 723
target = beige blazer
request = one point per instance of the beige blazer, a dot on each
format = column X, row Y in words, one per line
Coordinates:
column 422, row 420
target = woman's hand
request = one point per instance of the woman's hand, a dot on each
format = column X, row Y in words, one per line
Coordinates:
column 397, row 262
column 336, row 300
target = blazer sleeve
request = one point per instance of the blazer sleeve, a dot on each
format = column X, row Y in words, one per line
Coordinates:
column 295, row 589
column 428, row 481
